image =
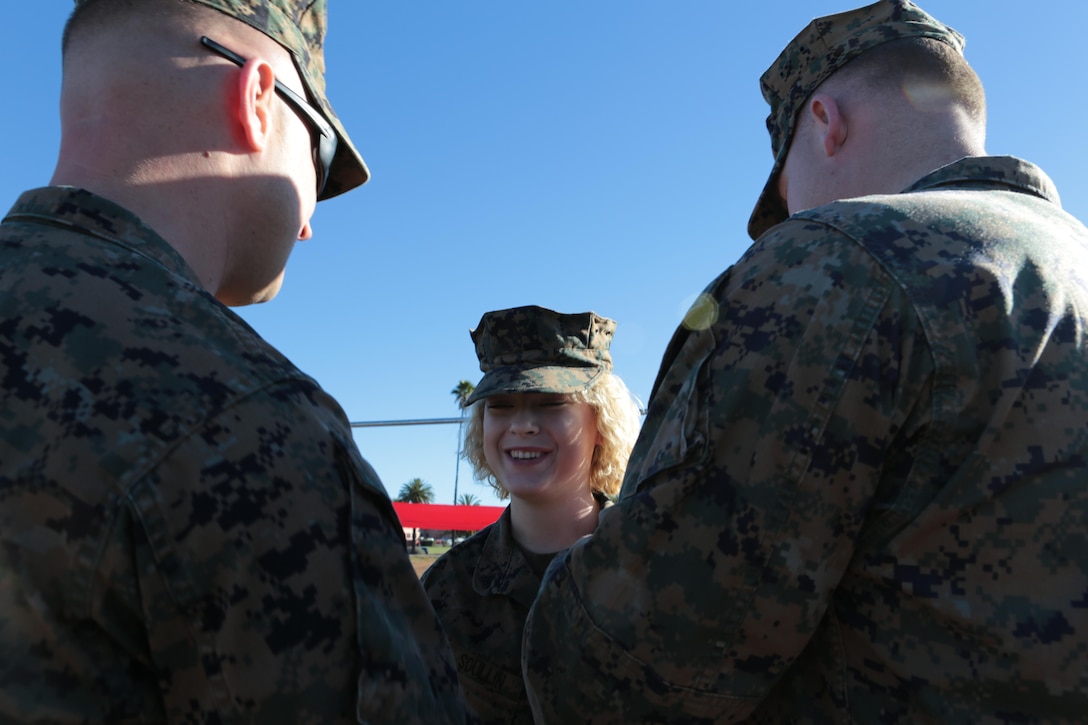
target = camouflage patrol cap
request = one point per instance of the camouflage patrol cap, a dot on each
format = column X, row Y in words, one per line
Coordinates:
column 824, row 46
column 537, row 350
column 299, row 26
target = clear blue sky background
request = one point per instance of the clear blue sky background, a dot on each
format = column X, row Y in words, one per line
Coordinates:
column 599, row 155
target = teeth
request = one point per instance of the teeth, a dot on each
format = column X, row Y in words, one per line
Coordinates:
column 525, row 454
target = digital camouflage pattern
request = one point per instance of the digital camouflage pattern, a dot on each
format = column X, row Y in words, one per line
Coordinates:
column 824, row 46
column 859, row 494
column 187, row 530
column 300, row 27
column 536, row 350
column 482, row 589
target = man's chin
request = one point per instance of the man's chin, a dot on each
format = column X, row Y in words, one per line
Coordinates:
column 264, row 294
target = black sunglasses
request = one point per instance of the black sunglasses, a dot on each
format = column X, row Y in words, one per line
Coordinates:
column 325, row 148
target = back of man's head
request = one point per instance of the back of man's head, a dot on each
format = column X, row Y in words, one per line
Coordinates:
column 860, row 44
column 930, row 75
column 299, row 26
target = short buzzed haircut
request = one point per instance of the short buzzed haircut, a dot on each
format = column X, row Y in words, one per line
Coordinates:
column 91, row 14
column 910, row 63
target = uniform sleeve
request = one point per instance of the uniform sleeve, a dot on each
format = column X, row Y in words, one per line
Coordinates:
column 273, row 580
column 777, row 405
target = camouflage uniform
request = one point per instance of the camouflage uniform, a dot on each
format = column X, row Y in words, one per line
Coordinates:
column 859, row 492
column 482, row 590
column 187, row 530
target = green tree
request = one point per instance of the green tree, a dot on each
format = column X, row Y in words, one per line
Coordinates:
column 462, row 393
column 415, row 491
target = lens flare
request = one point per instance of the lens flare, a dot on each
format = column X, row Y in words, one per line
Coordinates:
column 702, row 313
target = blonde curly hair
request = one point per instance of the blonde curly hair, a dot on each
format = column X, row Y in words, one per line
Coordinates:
column 618, row 423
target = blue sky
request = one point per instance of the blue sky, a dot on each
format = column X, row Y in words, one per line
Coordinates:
column 600, row 155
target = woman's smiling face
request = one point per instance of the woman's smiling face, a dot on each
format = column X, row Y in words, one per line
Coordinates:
column 540, row 445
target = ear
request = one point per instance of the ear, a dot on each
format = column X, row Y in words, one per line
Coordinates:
column 256, row 94
column 831, row 127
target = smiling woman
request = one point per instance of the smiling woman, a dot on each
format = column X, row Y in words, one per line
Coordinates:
column 551, row 429
column 540, row 445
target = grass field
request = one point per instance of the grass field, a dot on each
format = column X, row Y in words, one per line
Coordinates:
column 421, row 561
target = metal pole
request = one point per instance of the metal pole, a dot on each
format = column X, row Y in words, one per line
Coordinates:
column 417, row 421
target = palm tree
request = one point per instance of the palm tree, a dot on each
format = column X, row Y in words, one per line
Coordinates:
column 416, row 491
column 462, row 393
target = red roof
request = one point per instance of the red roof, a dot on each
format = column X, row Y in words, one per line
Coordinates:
column 445, row 516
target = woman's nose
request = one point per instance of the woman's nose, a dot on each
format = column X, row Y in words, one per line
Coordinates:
column 523, row 420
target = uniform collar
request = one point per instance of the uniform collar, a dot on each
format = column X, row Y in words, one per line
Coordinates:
column 502, row 568
column 1002, row 173
column 82, row 212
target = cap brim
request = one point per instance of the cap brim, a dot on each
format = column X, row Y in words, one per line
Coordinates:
column 770, row 209
column 348, row 170
column 539, row 379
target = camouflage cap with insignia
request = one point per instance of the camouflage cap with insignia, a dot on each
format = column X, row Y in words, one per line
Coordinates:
column 299, row 26
column 824, row 46
column 537, row 350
